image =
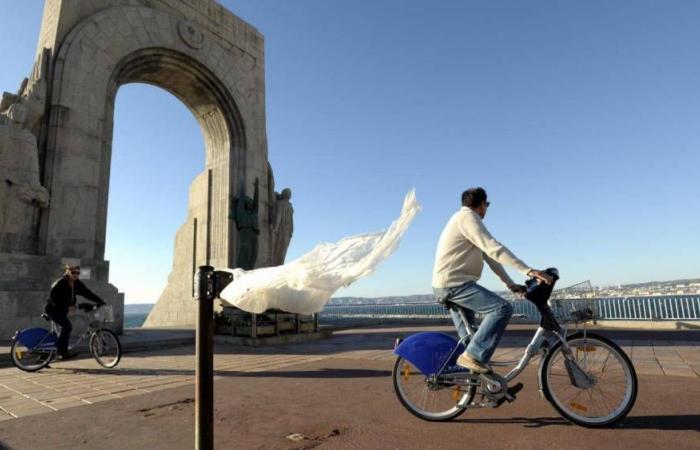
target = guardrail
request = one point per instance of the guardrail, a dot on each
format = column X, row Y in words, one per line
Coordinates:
column 618, row 308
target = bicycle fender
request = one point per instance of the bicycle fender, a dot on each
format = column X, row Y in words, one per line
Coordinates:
column 34, row 338
column 428, row 351
column 540, row 377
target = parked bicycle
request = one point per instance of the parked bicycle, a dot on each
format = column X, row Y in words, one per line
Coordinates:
column 34, row 348
column 588, row 379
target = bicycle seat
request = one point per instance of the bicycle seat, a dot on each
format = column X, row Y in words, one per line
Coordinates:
column 448, row 304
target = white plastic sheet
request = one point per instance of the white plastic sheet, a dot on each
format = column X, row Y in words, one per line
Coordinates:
column 305, row 285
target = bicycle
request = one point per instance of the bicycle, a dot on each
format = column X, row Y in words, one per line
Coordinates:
column 34, row 348
column 588, row 378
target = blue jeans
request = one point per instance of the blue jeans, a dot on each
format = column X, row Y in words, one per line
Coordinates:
column 474, row 298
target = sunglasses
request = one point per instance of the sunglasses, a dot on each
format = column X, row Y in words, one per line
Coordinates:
column 488, row 204
column 75, row 272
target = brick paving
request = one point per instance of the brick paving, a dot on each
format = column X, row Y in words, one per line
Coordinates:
column 83, row 382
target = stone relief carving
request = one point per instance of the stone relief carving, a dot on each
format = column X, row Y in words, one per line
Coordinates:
column 190, row 34
column 31, row 94
column 245, row 213
column 271, row 195
column 282, row 226
column 280, row 220
column 21, row 192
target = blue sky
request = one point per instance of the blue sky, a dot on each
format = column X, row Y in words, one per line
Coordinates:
column 579, row 118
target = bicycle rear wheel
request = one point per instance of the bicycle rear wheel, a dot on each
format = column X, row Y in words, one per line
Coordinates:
column 30, row 360
column 607, row 387
column 426, row 399
column 105, row 348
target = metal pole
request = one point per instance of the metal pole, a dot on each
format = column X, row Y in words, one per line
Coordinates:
column 208, row 237
column 204, row 375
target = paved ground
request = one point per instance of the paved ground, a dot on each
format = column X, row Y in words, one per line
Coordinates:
column 336, row 393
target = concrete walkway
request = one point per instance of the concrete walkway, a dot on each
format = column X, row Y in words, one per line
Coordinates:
column 331, row 394
column 82, row 382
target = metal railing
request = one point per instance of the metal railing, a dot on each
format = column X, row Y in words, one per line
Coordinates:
column 679, row 307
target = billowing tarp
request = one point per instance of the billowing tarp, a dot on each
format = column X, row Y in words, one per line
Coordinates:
column 304, row 285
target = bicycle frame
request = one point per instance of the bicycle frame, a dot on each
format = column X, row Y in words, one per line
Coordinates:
column 93, row 326
column 533, row 348
column 42, row 339
column 41, row 345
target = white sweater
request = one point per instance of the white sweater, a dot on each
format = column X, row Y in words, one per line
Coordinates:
column 464, row 244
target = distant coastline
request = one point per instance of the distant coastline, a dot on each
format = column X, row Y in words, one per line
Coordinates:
column 646, row 289
column 135, row 314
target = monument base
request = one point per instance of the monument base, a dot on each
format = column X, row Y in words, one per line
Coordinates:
column 272, row 340
column 272, row 323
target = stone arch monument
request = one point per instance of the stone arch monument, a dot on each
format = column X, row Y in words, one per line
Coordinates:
column 195, row 49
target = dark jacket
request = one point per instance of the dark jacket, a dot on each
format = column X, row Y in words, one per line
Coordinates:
column 62, row 295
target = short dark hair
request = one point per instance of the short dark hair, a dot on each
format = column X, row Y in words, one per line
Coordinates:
column 473, row 197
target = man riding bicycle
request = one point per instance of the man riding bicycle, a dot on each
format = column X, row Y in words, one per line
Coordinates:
column 62, row 301
column 463, row 246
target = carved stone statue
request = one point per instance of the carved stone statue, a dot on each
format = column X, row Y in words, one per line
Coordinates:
column 31, row 94
column 282, row 226
column 21, row 193
column 271, row 196
column 245, row 213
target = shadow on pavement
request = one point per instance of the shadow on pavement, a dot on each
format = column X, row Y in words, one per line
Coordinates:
column 130, row 372
column 690, row 422
column 680, row 422
column 321, row 373
column 527, row 422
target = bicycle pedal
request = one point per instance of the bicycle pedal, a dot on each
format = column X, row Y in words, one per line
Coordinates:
column 489, row 404
column 512, row 392
column 510, row 395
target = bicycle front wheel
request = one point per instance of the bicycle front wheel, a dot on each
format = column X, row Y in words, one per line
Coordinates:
column 105, row 348
column 599, row 394
column 424, row 398
column 30, row 360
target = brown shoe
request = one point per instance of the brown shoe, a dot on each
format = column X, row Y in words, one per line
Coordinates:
column 466, row 361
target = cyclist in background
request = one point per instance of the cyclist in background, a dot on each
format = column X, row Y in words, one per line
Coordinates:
column 463, row 246
column 62, row 301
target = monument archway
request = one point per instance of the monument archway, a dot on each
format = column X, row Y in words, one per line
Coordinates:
column 147, row 206
column 196, row 50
